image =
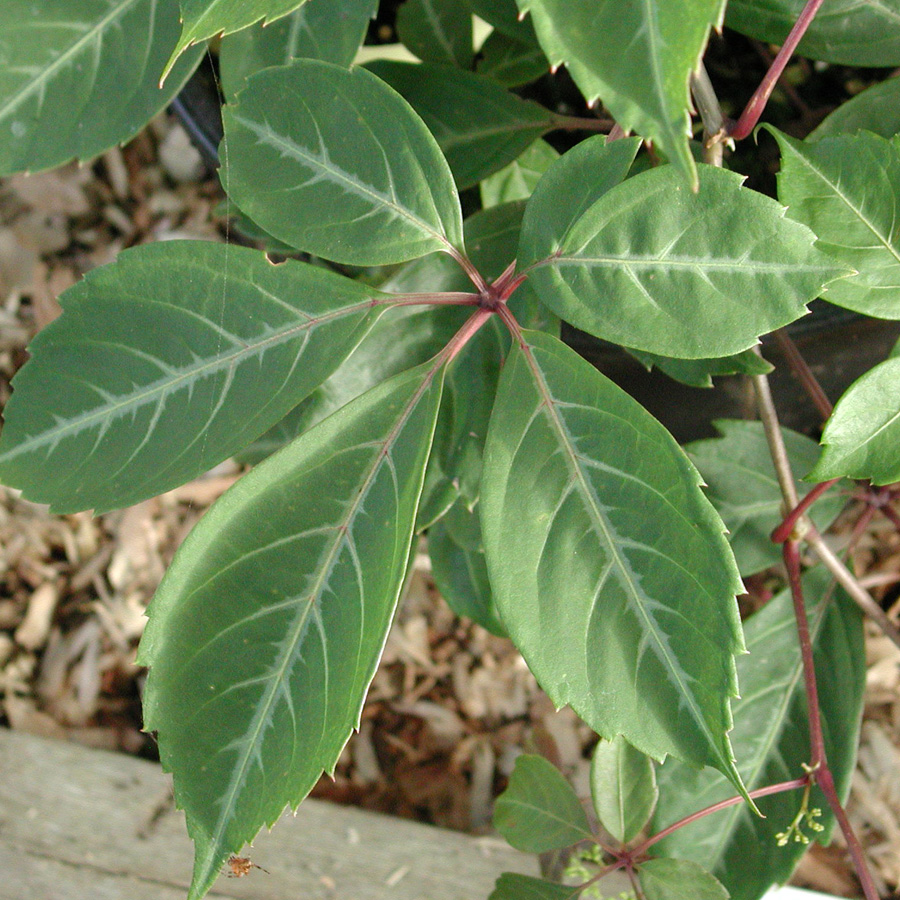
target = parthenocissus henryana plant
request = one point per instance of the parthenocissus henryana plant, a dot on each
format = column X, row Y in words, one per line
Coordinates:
column 558, row 511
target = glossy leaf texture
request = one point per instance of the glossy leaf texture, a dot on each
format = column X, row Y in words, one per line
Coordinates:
column 510, row 62
column 479, row 126
column 437, row 31
column 460, row 572
column 861, row 437
column 334, row 162
column 700, row 372
column 518, row 180
column 583, row 488
column 504, row 16
column 512, row 886
column 846, row 189
column 653, row 266
column 843, row 31
column 623, row 788
column 875, row 109
column 203, row 19
column 743, row 487
column 539, row 810
column 675, row 879
column 330, row 30
column 635, row 57
column 79, row 78
column 165, row 363
column 266, row 631
column 771, row 739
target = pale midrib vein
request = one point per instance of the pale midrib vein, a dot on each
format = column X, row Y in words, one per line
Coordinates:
column 290, row 147
column 847, row 201
column 263, row 713
column 464, row 138
column 137, row 400
column 650, row 262
column 550, row 814
column 63, row 59
column 651, row 628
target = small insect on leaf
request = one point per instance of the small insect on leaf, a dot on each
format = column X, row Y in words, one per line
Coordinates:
column 239, row 866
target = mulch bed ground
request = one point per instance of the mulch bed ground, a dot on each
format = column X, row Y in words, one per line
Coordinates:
column 451, row 705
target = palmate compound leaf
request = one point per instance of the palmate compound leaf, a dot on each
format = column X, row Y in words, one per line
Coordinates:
column 846, row 189
column 676, row 879
column 77, row 78
column 861, row 437
column 539, row 810
column 202, row 19
column 771, row 739
column 610, row 568
column 635, row 57
column 513, row 886
column 266, row 631
column 334, row 162
column 166, row 362
column 655, row 267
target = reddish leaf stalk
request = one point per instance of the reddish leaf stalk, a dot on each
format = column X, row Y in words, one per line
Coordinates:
column 783, row 532
column 752, row 112
column 469, row 329
column 779, row 788
column 468, row 267
column 442, row 298
column 891, row 514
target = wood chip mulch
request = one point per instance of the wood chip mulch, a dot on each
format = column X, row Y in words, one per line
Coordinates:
column 451, row 705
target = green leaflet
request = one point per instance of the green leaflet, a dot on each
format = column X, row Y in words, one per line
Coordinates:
column 700, row 372
column 539, row 810
column 771, row 741
column 742, row 485
column 518, row 180
column 330, row 30
column 635, row 57
column 479, row 126
column 268, row 626
column 166, row 362
column 80, row 77
column 437, row 31
column 623, row 788
column 843, row 31
column 583, row 488
column 504, row 16
column 512, row 886
column 332, row 161
column 861, row 437
column 202, row 19
column 846, row 190
column 460, row 572
column 510, row 62
column 653, row 266
column 876, row 109
column 675, row 879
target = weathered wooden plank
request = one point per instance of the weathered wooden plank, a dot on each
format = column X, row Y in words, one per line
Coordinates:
column 79, row 824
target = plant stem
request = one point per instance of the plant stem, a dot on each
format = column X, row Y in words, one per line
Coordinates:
column 467, row 266
column 707, row 104
column 469, row 329
column 791, row 554
column 783, row 532
column 776, row 443
column 803, row 372
column 750, row 116
column 792, row 785
column 891, row 515
column 580, row 123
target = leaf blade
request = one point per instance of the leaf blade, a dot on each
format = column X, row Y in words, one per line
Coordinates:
column 385, row 196
column 557, row 416
column 239, row 645
column 138, row 411
column 651, row 265
column 623, row 788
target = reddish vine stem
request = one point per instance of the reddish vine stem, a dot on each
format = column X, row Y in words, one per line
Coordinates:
column 791, row 554
column 803, row 372
column 784, row 531
column 891, row 515
column 750, row 116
